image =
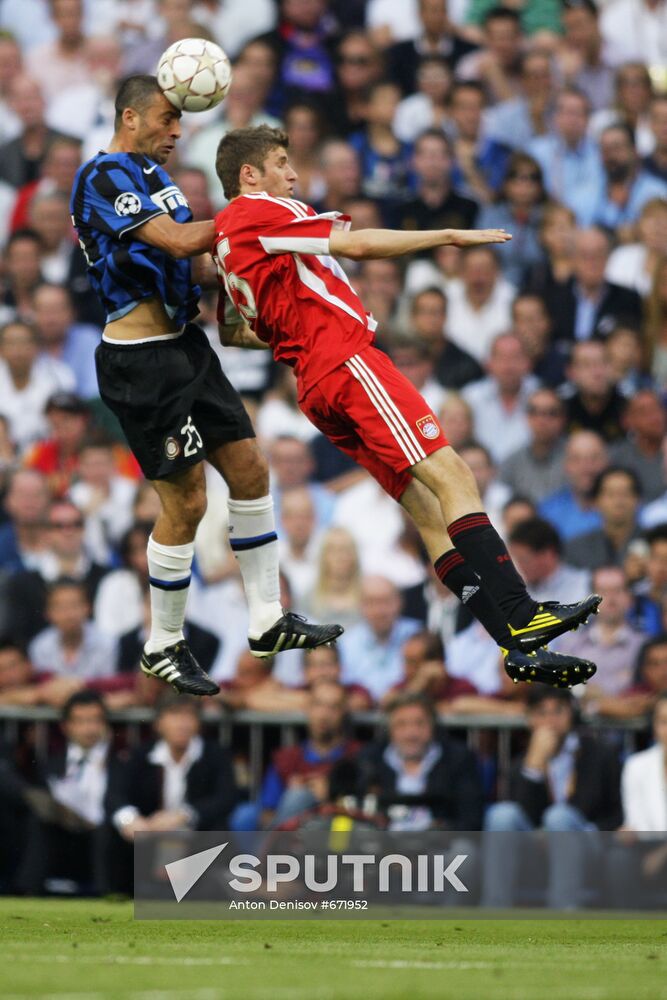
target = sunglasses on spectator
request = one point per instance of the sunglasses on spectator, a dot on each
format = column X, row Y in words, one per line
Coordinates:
column 542, row 411
column 354, row 60
column 64, row 525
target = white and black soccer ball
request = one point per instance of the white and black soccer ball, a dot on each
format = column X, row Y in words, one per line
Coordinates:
column 194, row 74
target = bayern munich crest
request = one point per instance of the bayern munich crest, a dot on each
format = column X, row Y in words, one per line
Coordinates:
column 428, row 427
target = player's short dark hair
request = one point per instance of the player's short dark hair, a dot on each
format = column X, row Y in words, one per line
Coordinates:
column 537, row 535
column 135, row 92
column 85, row 697
column 245, row 145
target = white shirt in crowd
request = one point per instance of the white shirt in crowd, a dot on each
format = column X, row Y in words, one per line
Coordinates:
column 490, row 414
column 24, row 408
column 83, row 786
column 644, row 791
column 474, row 330
column 95, row 658
column 107, row 523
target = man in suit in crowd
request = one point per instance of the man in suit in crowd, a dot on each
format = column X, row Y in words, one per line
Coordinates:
column 567, row 780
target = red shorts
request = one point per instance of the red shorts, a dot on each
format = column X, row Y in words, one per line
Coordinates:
column 369, row 410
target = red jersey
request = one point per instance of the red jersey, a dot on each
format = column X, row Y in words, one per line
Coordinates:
column 272, row 255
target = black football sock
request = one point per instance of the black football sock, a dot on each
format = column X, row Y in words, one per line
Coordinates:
column 484, row 550
column 453, row 571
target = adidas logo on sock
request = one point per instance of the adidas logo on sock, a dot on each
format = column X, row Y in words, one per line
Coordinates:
column 468, row 592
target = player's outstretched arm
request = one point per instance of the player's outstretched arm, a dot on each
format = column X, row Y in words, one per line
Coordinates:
column 372, row 244
column 178, row 239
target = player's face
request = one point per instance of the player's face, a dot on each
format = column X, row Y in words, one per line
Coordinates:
column 158, row 129
column 278, row 177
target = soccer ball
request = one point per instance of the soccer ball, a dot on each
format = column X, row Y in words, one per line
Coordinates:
column 194, row 74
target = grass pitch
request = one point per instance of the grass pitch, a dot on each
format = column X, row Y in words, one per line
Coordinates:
column 94, row 950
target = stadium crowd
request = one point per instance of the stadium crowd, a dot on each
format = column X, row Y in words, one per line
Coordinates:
column 545, row 357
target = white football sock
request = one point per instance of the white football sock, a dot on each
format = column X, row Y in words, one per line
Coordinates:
column 252, row 536
column 169, row 578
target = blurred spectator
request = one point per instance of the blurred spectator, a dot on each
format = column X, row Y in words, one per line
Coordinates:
column 493, row 492
column 569, row 158
column 174, row 22
column 592, row 400
column 656, row 325
column 650, row 592
column 384, row 159
column 422, row 780
column 413, row 359
column 27, row 382
column 587, row 304
column 548, row 277
column 64, row 844
column 104, row 498
column 11, row 60
column 62, row 63
column 607, row 639
column 323, row 664
column 479, row 303
column 436, row 36
column 388, row 23
column 570, row 509
column 531, row 322
column 236, row 21
column 279, row 414
column 633, row 90
column 436, row 204
column 517, row 509
column 617, row 494
column 582, row 56
column 428, row 106
column 62, row 160
column 182, row 781
column 497, row 65
column 22, row 274
column 457, row 418
column 479, row 162
column 119, row 603
column 536, row 18
column 647, row 685
column 645, row 424
column 644, row 780
column 296, row 778
column 518, row 210
column 57, row 457
column 371, row 650
column 500, row 399
column 635, row 29
column 336, row 588
column 626, row 353
column 22, row 158
column 65, row 556
column 16, row 673
column 627, row 185
column 535, row 469
column 49, row 217
column 566, row 780
column 298, row 542
column 656, row 161
column 425, row 672
column 292, row 465
column 454, row 367
column 71, row 646
column 22, row 537
column 305, row 126
column 633, row 265
column 359, row 66
column 517, row 120
column 341, row 172
column 538, row 552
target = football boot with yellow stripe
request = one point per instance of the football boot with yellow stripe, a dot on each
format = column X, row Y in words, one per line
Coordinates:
column 544, row 667
column 553, row 619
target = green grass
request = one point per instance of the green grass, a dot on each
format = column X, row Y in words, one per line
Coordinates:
column 83, row 950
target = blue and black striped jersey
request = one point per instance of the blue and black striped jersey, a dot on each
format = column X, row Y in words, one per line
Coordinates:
column 113, row 194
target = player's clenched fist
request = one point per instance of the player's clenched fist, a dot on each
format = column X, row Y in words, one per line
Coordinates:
column 475, row 237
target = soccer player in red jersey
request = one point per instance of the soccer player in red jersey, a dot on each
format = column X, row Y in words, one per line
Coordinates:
column 282, row 288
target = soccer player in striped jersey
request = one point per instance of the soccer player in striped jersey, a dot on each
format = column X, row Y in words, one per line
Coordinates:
column 158, row 373
column 282, row 288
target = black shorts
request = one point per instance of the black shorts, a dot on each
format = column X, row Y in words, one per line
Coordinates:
column 172, row 400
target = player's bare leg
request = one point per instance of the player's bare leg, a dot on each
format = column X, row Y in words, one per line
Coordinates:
column 466, row 582
column 252, row 536
column 170, row 552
